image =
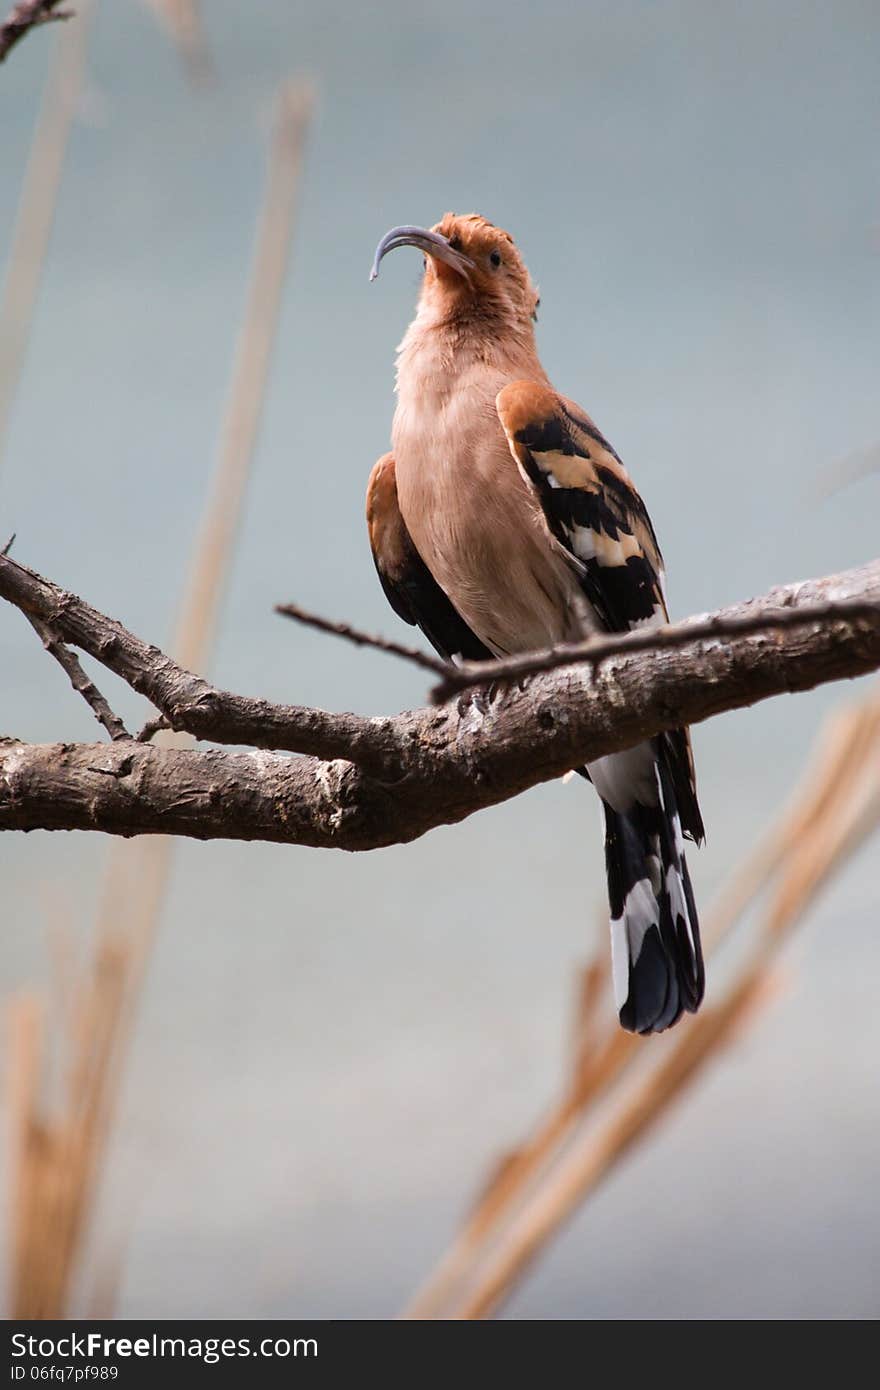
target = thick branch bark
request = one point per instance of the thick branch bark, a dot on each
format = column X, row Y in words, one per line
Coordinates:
column 387, row 781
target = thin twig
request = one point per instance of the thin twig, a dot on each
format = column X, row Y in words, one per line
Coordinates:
column 151, row 728
column 29, row 14
column 434, row 664
column 595, row 650
column 82, row 684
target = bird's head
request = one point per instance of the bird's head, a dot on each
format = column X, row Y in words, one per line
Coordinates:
column 469, row 265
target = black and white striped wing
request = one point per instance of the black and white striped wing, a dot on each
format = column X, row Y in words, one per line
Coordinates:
column 594, row 510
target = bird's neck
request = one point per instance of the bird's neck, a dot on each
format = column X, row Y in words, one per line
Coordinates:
column 440, row 353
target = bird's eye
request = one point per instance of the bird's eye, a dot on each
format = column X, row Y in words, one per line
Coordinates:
column 455, row 243
column 495, row 258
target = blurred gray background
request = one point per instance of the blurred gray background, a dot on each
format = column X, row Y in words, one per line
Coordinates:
column 333, row 1049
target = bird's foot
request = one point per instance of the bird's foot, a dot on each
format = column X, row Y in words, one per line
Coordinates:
column 479, row 698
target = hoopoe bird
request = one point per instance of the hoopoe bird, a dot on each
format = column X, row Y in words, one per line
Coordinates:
column 503, row 521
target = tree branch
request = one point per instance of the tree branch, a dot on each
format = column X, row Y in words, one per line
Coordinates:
column 424, row 660
column 595, row 650
column 386, row 781
column 82, row 684
column 187, row 701
column 456, row 677
column 25, row 16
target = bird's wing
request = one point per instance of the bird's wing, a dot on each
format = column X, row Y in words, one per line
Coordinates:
column 409, row 586
column 589, row 501
column 594, row 511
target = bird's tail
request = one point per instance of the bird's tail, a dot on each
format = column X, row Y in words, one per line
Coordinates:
column 655, row 936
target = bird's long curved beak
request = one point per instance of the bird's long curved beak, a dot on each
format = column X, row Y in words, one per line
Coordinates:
column 431, row 243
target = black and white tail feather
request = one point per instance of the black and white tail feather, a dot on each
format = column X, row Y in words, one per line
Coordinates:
column 657, row 960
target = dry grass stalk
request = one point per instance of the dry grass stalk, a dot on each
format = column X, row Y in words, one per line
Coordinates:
column 238, row 435
column 56, row 1162
column 57, row 1144
column 37, row 203
column 183, row 21
column 543, row 1182
column 852, row 468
